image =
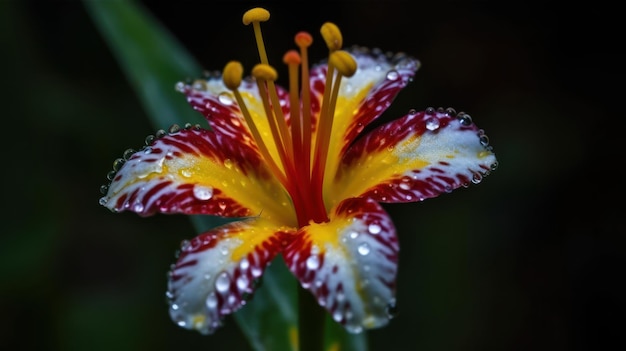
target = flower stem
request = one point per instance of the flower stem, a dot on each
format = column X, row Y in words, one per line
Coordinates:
column 311, row 322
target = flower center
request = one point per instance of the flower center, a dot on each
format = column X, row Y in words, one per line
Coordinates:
column 301, row 161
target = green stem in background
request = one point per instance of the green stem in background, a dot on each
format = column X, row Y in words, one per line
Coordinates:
column 310, row 322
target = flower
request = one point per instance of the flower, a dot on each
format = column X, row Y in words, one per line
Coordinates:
column 301, row 174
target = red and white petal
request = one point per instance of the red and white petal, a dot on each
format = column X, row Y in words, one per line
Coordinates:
column 414, row 158
column 349, row 263
column 364, row 96
column 216, row 271
column 218, row 105
column 195, row 171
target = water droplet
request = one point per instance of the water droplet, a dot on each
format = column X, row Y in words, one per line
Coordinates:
column 477, row 178
column 118, row 163
column 432, row 123
column 103, row 200
column 147, row 150
column 256, row 271
column 313, row 262
column 225, row 99
column 412, row 112
column 451, row 112
column 484, row 140
column 149, row 139
column 464, row 118
column 174, row 128
column 364, row 249
column 243, row 282
column 374, row 228
column 138, row 207
column 185, row 245
column 353, row 234
column 128, row 154
column 111, row 175
column 186, row 172
column 174, row 307
column 244, row 264
column 392, row 75
column 430, row 111
column 337, row 315
column 222, row 282
column 228, row 163
column 181, row 323
column 159, row 133
column 211, row 301
column 202, row 192
column 180, row 87
column 392, row 309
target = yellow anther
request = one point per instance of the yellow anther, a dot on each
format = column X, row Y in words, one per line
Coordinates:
column 292, row 57
column 264, row 72
column 304, row 39
column 233, row 71
column 256, row 14
column 332, row 36
column 343, row 62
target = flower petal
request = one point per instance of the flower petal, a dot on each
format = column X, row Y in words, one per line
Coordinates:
column 217, row 104
column 195, row 171
column 216, row 272
column 349, row 263
column 364, row 96
column 414, row 158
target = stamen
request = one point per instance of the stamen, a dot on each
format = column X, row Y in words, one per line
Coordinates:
column 233, row 72
column 346, row 66
column 292, row 59
column 332, row 36
column 265, row 76
column 256, row 16
column 304, row 40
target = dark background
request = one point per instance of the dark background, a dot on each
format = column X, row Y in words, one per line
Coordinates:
column 530, row 259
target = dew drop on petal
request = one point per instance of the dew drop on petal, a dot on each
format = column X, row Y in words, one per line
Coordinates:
column 103, row 200
column 313, row 262
column 202, row 192
column 211, row 301
column 392, row 75
column 244, row 264
column 432, row 124
column 364, row 249
column 138, row 207
column 392, row 309
column 243, row 282
column 180, row 87
column 374, row 228
column 222, row 282
column 354, row 235
column 225, row 99
column 337, row 316
column 256, row 271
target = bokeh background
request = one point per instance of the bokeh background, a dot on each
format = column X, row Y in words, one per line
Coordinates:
column 531, row 259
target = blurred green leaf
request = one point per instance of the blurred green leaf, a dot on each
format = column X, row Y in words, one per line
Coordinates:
column 154, row 61
column 151, row 58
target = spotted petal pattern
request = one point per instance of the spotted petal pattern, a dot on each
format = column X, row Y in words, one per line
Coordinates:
column 414, row 158
column 349, row 263
column 216, row 271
